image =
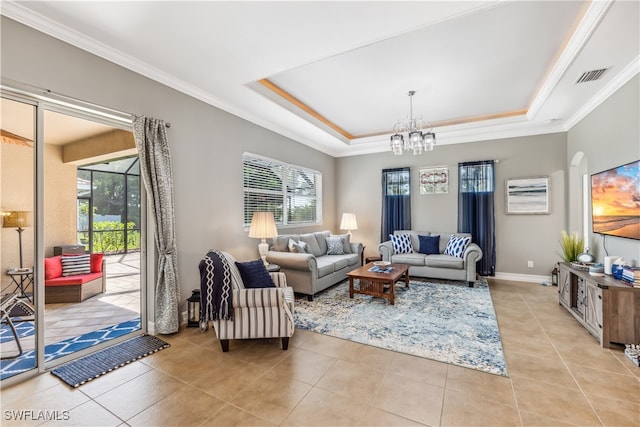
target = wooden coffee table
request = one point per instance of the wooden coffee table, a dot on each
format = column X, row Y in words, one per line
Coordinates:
column 377, row 284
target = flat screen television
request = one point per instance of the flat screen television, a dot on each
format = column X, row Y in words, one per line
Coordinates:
column 615, row 201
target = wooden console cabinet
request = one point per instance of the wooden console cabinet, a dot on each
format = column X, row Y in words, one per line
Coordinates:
column 606, row 307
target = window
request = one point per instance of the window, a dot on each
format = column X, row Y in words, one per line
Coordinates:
column 292, row 193
column 476, row 177
column 396, row 201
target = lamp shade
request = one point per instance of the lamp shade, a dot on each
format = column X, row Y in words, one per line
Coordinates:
column 348, row 221
column 263, row 225
column 16, row 219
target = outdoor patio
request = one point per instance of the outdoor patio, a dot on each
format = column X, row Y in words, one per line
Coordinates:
column 121, row 302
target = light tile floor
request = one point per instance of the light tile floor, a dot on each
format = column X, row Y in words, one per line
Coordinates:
column 559, row 375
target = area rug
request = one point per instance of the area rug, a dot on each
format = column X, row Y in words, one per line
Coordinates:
column 104, row 361
column 11, row 367
column 24, row 329
column 441, row 320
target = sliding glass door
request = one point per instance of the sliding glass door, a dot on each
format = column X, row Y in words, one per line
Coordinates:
column 17, row 238
column 53, row 216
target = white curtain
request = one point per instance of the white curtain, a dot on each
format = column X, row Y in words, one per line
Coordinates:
column 155, row 168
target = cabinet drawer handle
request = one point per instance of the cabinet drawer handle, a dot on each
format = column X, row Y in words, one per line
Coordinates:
column 599, row 326
column 599, row 296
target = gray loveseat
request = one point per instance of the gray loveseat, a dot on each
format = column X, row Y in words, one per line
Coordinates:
column 308, row 267
column 435, row 265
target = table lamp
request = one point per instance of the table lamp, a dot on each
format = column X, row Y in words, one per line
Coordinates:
column 348, row 222
column 19, row 220
column 262, row 227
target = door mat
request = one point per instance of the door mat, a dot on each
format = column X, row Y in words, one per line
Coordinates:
column 90, row 367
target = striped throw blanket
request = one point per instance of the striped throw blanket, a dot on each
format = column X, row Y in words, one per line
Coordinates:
column 215, row 288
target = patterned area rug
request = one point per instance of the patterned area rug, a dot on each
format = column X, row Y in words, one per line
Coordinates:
column 24, row 329
column 11, row 367
column 90, row 367
column 441, row 320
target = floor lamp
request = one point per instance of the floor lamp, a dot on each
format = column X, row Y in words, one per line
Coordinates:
column 18, row 220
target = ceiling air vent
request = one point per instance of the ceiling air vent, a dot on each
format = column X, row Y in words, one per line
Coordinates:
column 589, row 76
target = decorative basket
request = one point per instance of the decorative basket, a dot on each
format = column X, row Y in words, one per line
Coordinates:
column 581, row 265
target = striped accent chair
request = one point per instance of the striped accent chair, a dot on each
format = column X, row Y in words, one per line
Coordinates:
column 257, row 312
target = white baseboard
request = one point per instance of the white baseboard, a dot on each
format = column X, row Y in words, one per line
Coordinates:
column 183, row 319
column 151, row 328
column 523, row 277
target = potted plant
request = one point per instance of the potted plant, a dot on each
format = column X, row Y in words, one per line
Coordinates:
column 571, row 244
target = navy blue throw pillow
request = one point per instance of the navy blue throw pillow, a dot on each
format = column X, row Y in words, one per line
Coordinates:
column 255, row 275
column 429, row 245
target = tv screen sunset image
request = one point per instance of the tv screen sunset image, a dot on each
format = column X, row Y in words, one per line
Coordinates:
column 615, row 201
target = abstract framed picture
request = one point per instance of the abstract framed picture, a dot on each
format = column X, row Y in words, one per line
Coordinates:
column 527, row 196
column 434, row 181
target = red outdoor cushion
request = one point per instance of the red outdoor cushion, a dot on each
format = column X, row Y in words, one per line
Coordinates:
column 96, row 263
column 52, row 267
column 72, row 280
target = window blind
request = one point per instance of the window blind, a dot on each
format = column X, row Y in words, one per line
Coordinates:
column 292, row 193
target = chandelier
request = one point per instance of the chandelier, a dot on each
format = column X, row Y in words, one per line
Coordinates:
column 415, row 140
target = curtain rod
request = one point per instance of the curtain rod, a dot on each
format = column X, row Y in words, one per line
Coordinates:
column 48, row 95
column 444, row 166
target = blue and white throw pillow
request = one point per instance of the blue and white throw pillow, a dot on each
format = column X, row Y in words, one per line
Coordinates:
column 401, row 243
column 456, row 245
column 335, row 246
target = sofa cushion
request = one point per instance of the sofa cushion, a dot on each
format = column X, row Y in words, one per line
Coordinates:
column 312, row 244
column 321, row 238
column 326, row 265
column 444, row 261
column 53, row 267
column 73, row 265
column 339, row 262
column 401, row 243
column 96, row 262
column 413, row 258
column 72, row 280
column 281, row 243
column 456, row 245
column 429, row 245
column 335, row 246
column 346, row 242
column 255, row 275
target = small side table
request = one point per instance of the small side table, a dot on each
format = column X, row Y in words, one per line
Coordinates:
column 372, row 259
column 22, row 279
column 273, row 268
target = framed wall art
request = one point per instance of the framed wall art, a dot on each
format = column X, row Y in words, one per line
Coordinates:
column 434, row 181
column 528, row 196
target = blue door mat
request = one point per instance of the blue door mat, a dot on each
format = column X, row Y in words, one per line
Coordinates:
column 90, row 367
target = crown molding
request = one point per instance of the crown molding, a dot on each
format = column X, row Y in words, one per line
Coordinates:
column 588, row 24
column 616, row 83
column 509, row 127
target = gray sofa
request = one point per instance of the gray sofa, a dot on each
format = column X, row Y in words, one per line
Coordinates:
column 438, row 266
column 313, row 271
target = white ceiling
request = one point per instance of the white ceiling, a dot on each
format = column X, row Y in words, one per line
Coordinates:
column 481, row 70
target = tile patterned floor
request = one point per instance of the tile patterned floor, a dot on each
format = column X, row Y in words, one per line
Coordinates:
column 558, row 376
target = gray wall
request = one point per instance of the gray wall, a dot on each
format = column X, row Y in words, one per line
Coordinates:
column 206, row 143
column 519, row 238
column 607, row 137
